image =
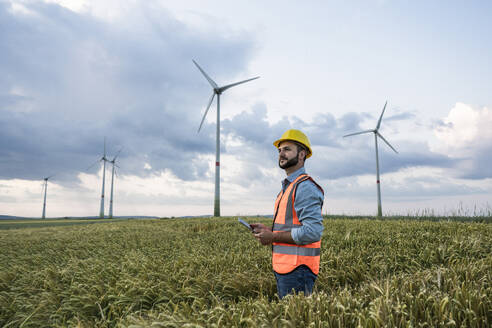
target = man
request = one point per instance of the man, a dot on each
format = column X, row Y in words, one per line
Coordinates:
column 298, row 223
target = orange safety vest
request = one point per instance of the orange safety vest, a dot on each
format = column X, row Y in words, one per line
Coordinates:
column 287, row 257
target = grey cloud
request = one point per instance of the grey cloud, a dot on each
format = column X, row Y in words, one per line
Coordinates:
column 324, row 131
column 350, row 121
column 401, row 117
column 360, row 159
column 85, row 79
column 78, row 79
column 427, row 189
column 13, row 102
column 415, row 157
column 410, row 189
column 478, row 165
column 253, row 127
column 335, row 157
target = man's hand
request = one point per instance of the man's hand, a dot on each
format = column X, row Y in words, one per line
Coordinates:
column 257, row 227
column 265, row 235
column 262, row 233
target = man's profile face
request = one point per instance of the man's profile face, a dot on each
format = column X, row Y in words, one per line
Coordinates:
column 288, row 155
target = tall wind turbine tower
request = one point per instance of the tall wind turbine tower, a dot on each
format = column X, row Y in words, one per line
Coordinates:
column 113, row 162
column 104, row 159
column 217, row 90
column 376, row 135
column 45, row 188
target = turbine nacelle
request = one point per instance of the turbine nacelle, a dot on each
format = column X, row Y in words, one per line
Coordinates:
column 47, row 178
column 115, row 156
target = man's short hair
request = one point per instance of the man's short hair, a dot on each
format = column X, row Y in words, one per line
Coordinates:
column 300, row 147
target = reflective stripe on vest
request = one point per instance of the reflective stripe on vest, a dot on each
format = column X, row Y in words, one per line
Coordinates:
column 296, row 250
column 287, row 257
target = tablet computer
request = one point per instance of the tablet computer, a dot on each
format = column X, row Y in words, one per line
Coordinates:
column 246, row 224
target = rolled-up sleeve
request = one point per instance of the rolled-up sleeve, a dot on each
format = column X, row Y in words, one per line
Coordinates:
column 308, row 204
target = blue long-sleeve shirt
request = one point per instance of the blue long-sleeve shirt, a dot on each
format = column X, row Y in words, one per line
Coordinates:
column 308, row 203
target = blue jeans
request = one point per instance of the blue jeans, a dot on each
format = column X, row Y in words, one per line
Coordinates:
column 300, row 280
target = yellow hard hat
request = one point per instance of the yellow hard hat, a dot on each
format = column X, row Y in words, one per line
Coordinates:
column 297, row 136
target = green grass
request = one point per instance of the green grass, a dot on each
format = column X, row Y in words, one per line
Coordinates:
column 212, row 273
column 43, row 223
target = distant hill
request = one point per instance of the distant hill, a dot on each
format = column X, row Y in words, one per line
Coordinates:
column 10, row 217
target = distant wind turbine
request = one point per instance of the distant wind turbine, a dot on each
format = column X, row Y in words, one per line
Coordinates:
column 104, row 159
column 217, row 91
column 113, row 162
column 45, row 188
column 376, row 135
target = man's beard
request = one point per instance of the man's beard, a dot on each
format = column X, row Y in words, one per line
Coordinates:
column 291, row 162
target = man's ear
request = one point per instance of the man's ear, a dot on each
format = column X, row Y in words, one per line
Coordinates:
column 305, row 154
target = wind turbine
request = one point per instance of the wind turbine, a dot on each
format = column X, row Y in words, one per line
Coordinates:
column 104, row 159
column 45, row 187
column 112, row 180
column 376, row 135
column 217, row 90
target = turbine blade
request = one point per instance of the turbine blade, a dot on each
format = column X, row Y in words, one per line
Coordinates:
column 115, row 156
column 206, row 111
column 90, row 167
column 225, row 87
column 381, row 117
column 379, row 135
column 212, row 82
column 356, row 133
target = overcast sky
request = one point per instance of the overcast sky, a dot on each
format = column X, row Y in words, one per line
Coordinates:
column 75, row 72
